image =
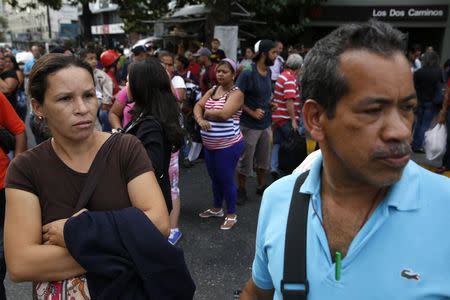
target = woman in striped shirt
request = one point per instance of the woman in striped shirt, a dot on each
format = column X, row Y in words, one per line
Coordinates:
column 218, row 114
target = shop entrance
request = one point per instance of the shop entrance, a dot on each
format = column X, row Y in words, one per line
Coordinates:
column 425, row 37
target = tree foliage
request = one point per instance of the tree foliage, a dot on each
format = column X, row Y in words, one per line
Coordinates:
column 285, row 19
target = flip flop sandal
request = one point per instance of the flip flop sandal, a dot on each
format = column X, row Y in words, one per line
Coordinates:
column 228, row 223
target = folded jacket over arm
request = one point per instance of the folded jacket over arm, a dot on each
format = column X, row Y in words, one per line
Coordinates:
column 126, row 257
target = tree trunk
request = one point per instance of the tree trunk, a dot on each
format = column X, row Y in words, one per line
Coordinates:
column 220, row 15
column 86, row 21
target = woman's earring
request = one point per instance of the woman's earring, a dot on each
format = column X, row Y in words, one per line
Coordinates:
column 40, row 118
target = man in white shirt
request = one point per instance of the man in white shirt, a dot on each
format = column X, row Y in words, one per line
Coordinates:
column 278, row 65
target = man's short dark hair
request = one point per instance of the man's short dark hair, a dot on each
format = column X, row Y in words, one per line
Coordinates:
column 430, row 59
column 84, row 52
column 322, row 80
column 183, row 60
column 164, row 53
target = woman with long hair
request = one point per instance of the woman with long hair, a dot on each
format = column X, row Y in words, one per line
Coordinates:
column 218, row 114
column 155, row 117
column 78, row 204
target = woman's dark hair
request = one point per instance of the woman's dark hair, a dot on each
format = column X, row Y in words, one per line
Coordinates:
column 151, row 91
column 225, row 63
column 183, row 60
column 48, row 65
column 13, row 60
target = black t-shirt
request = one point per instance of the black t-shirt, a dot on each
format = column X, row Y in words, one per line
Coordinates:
column 12, row 97
column 427, row 81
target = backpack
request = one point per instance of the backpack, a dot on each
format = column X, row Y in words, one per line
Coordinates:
column 292, row 152
column 7, row 140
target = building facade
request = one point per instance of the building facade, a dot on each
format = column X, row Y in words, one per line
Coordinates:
column 426, row 22
column 106, row 25
column 41, row 24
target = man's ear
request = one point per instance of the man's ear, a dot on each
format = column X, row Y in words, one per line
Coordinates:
column 37, row 108
column 312, row 116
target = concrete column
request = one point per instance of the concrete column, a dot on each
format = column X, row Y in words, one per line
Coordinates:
column 446, row 42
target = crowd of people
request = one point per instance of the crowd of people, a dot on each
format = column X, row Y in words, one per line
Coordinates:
column 166, row 110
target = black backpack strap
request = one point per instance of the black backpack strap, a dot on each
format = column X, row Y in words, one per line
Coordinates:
column 295, row 245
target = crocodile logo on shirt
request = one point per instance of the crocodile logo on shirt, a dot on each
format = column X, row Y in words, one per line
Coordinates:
column 409, row 274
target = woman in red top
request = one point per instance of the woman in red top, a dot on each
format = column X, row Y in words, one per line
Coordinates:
column 11, row 122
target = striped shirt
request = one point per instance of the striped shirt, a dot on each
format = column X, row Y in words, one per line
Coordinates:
column 285, row 88
column 222, row 134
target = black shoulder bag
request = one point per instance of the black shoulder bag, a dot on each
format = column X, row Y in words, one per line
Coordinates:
column 7, row 140
column 294, row 271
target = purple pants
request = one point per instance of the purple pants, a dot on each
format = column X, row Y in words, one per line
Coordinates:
column 221, row 165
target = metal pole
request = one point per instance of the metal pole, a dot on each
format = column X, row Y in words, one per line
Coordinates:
column 49, row 23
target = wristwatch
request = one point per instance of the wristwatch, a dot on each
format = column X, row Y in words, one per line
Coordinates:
column 117, row 130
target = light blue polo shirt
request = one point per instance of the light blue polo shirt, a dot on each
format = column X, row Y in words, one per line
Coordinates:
column 408, row 233
column 28, row 66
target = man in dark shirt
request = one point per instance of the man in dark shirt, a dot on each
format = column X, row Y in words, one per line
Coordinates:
column 255, row 82
column 427, row 82
column 216, row 54
column 208, row 78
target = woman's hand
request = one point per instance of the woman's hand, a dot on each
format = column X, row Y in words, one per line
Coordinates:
column 53, row 232
column 205, row 125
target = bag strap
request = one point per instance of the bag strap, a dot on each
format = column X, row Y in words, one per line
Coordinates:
column 138, row 121
column 96, row 169
column 294, row 285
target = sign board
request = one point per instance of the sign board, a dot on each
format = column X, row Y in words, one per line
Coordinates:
column 69, row 31
column 429, row 13
column 108, row 29
column 228, row 37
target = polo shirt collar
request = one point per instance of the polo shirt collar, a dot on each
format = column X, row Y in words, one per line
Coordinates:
column 403, row 195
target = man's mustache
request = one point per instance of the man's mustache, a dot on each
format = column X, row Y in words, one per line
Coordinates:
column 393, row 150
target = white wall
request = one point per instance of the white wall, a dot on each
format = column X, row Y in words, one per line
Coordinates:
column 35, row 20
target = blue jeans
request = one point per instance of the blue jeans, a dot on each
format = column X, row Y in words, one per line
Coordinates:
column 104, row 121
column 424, row 115
column 446, row 159
column 221, row 165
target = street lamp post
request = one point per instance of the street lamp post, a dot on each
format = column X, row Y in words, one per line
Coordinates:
column 49, row 23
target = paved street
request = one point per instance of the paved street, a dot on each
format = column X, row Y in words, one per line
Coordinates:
column 219, row 261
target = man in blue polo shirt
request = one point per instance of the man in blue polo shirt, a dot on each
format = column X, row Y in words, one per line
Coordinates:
column 387, row 217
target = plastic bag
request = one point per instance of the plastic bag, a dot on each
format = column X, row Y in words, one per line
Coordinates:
column 435, row 141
